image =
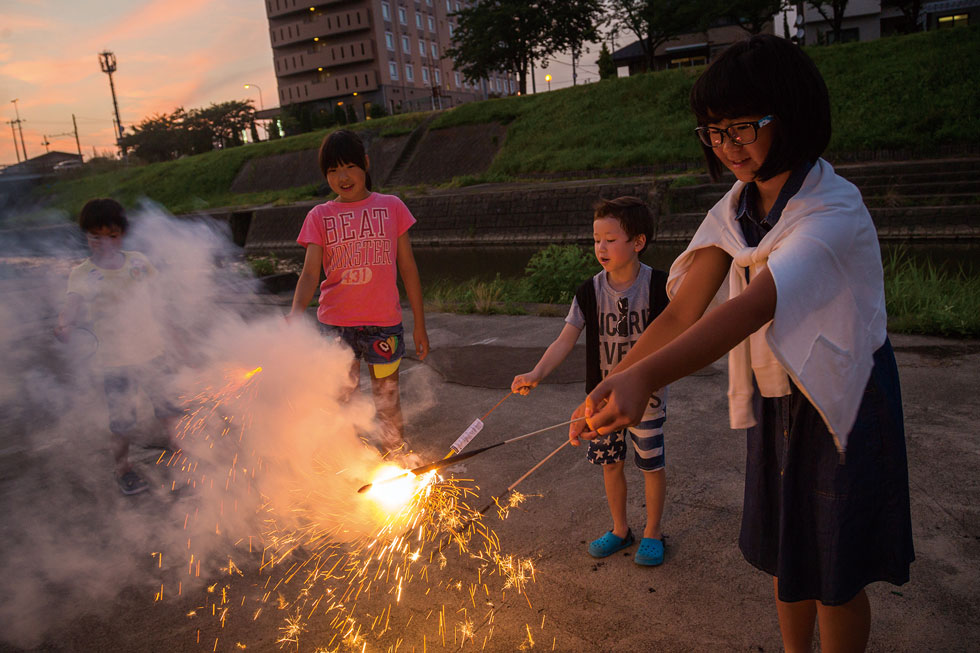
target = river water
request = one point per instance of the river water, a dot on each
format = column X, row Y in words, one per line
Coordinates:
column 485, row 263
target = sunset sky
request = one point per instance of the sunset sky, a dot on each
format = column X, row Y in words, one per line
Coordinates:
column 170, row 53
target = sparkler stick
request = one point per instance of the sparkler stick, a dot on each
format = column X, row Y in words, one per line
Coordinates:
column 451, row 460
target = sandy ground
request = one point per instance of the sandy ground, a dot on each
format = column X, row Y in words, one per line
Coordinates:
column 704, row 598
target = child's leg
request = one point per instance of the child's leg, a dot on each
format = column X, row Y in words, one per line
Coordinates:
column 845, row 627
column 796, row 622
column 655, row 486
column 387, row 400
column 120, row 453
column 614, row 479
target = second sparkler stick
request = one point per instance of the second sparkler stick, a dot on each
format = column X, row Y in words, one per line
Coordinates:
column 451, row 460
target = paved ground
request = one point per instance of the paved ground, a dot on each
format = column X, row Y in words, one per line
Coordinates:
column 704, row 598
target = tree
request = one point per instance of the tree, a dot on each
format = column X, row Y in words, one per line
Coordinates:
column 508, row 35
column 163, row 137
column 835, row 17
column 910, row 13
column 498, row 35
column 573, row 24
column 607, row 67
column 654, row 22
column 754, row 15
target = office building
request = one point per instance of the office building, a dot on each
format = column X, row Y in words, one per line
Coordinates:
column 363, row 53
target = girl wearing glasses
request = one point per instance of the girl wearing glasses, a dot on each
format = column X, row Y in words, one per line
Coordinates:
column 812, row 375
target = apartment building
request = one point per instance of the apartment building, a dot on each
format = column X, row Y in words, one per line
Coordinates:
column 362, row 53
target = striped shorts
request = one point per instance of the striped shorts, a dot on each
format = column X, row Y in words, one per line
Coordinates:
column 648, row 444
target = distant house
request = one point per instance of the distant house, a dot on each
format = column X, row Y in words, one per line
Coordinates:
column 864, row 20
column 40, row 165
column 695, row 49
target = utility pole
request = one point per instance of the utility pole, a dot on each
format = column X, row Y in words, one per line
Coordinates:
column 20, row 128
column 45, row 143
column 78, row 143
column 13, row 133
column 107, row 61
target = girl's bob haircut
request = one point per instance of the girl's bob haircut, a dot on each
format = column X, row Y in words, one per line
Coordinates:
column 767, row 75
column 344, row 146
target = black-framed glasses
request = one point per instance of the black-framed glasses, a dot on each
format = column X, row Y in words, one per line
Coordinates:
column 623, row 327
column 740, row 133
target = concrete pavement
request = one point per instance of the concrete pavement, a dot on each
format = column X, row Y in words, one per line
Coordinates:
column 704, row 598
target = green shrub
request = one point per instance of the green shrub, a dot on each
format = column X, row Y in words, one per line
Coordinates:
column 922, row 298
column 263, row 266
column 556, row 271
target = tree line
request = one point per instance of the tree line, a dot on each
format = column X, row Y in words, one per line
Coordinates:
column 163, row 137
column 512, row 35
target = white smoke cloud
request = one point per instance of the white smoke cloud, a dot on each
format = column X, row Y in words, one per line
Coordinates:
column 285, row 446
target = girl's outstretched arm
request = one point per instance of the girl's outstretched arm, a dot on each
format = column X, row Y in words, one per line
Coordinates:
column 409, row 272
column 309, row 278
column 619, row 400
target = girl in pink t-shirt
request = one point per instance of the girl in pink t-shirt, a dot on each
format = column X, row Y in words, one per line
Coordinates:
column 360, row 239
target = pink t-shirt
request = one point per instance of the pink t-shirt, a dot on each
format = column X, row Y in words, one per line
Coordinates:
column 360, row 244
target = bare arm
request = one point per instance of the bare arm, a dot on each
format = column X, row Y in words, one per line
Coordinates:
column 708, row 339
column 556, row 352
column 409, row 273
column 68, row 315
column 309, row 279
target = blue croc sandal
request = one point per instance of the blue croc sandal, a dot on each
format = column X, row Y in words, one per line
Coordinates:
column 650, row 552
column 609, row 544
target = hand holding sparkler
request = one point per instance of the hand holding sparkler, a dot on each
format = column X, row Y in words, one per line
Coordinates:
column 523, row 383
column 617, row 402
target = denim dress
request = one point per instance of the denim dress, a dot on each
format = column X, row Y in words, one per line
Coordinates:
column 825, row 523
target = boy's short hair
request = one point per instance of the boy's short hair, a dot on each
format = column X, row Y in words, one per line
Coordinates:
column 767, row 75
column 343, row 146
column 633, row 214
column 102, row 212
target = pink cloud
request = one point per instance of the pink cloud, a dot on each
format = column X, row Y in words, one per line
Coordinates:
column 151, row 17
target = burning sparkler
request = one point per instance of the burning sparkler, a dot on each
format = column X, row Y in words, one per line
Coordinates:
column 312, row 552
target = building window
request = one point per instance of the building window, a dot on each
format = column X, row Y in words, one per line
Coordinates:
column 435, row 50
column 457, row 80
column 849, row 35
column 437, row 77
column 386, row 11
column 428, row 2
column 425, row 74
column 393, row 69
column 409, row 72
column 421, row 48
column 957, row 20
column 432, row 24
column 418, row 20
column 451, row 31
column 402, row 16
column 449, row 7
column 684, row 62
column 406, row 46
column 390, row 41
column 457, row 6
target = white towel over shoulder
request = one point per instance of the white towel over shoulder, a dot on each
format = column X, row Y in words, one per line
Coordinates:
column 830, row 308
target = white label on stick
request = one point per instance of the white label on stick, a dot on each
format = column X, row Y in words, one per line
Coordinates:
column 467, row 435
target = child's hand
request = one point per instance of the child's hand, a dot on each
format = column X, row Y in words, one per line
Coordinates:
column 62, row 332
column 421, row 338
column 523, row 383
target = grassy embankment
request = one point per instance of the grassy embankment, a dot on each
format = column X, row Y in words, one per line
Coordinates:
column 915, row 93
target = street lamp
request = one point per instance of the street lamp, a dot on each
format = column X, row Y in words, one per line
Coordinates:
column 261, row 104
column 547, row 78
